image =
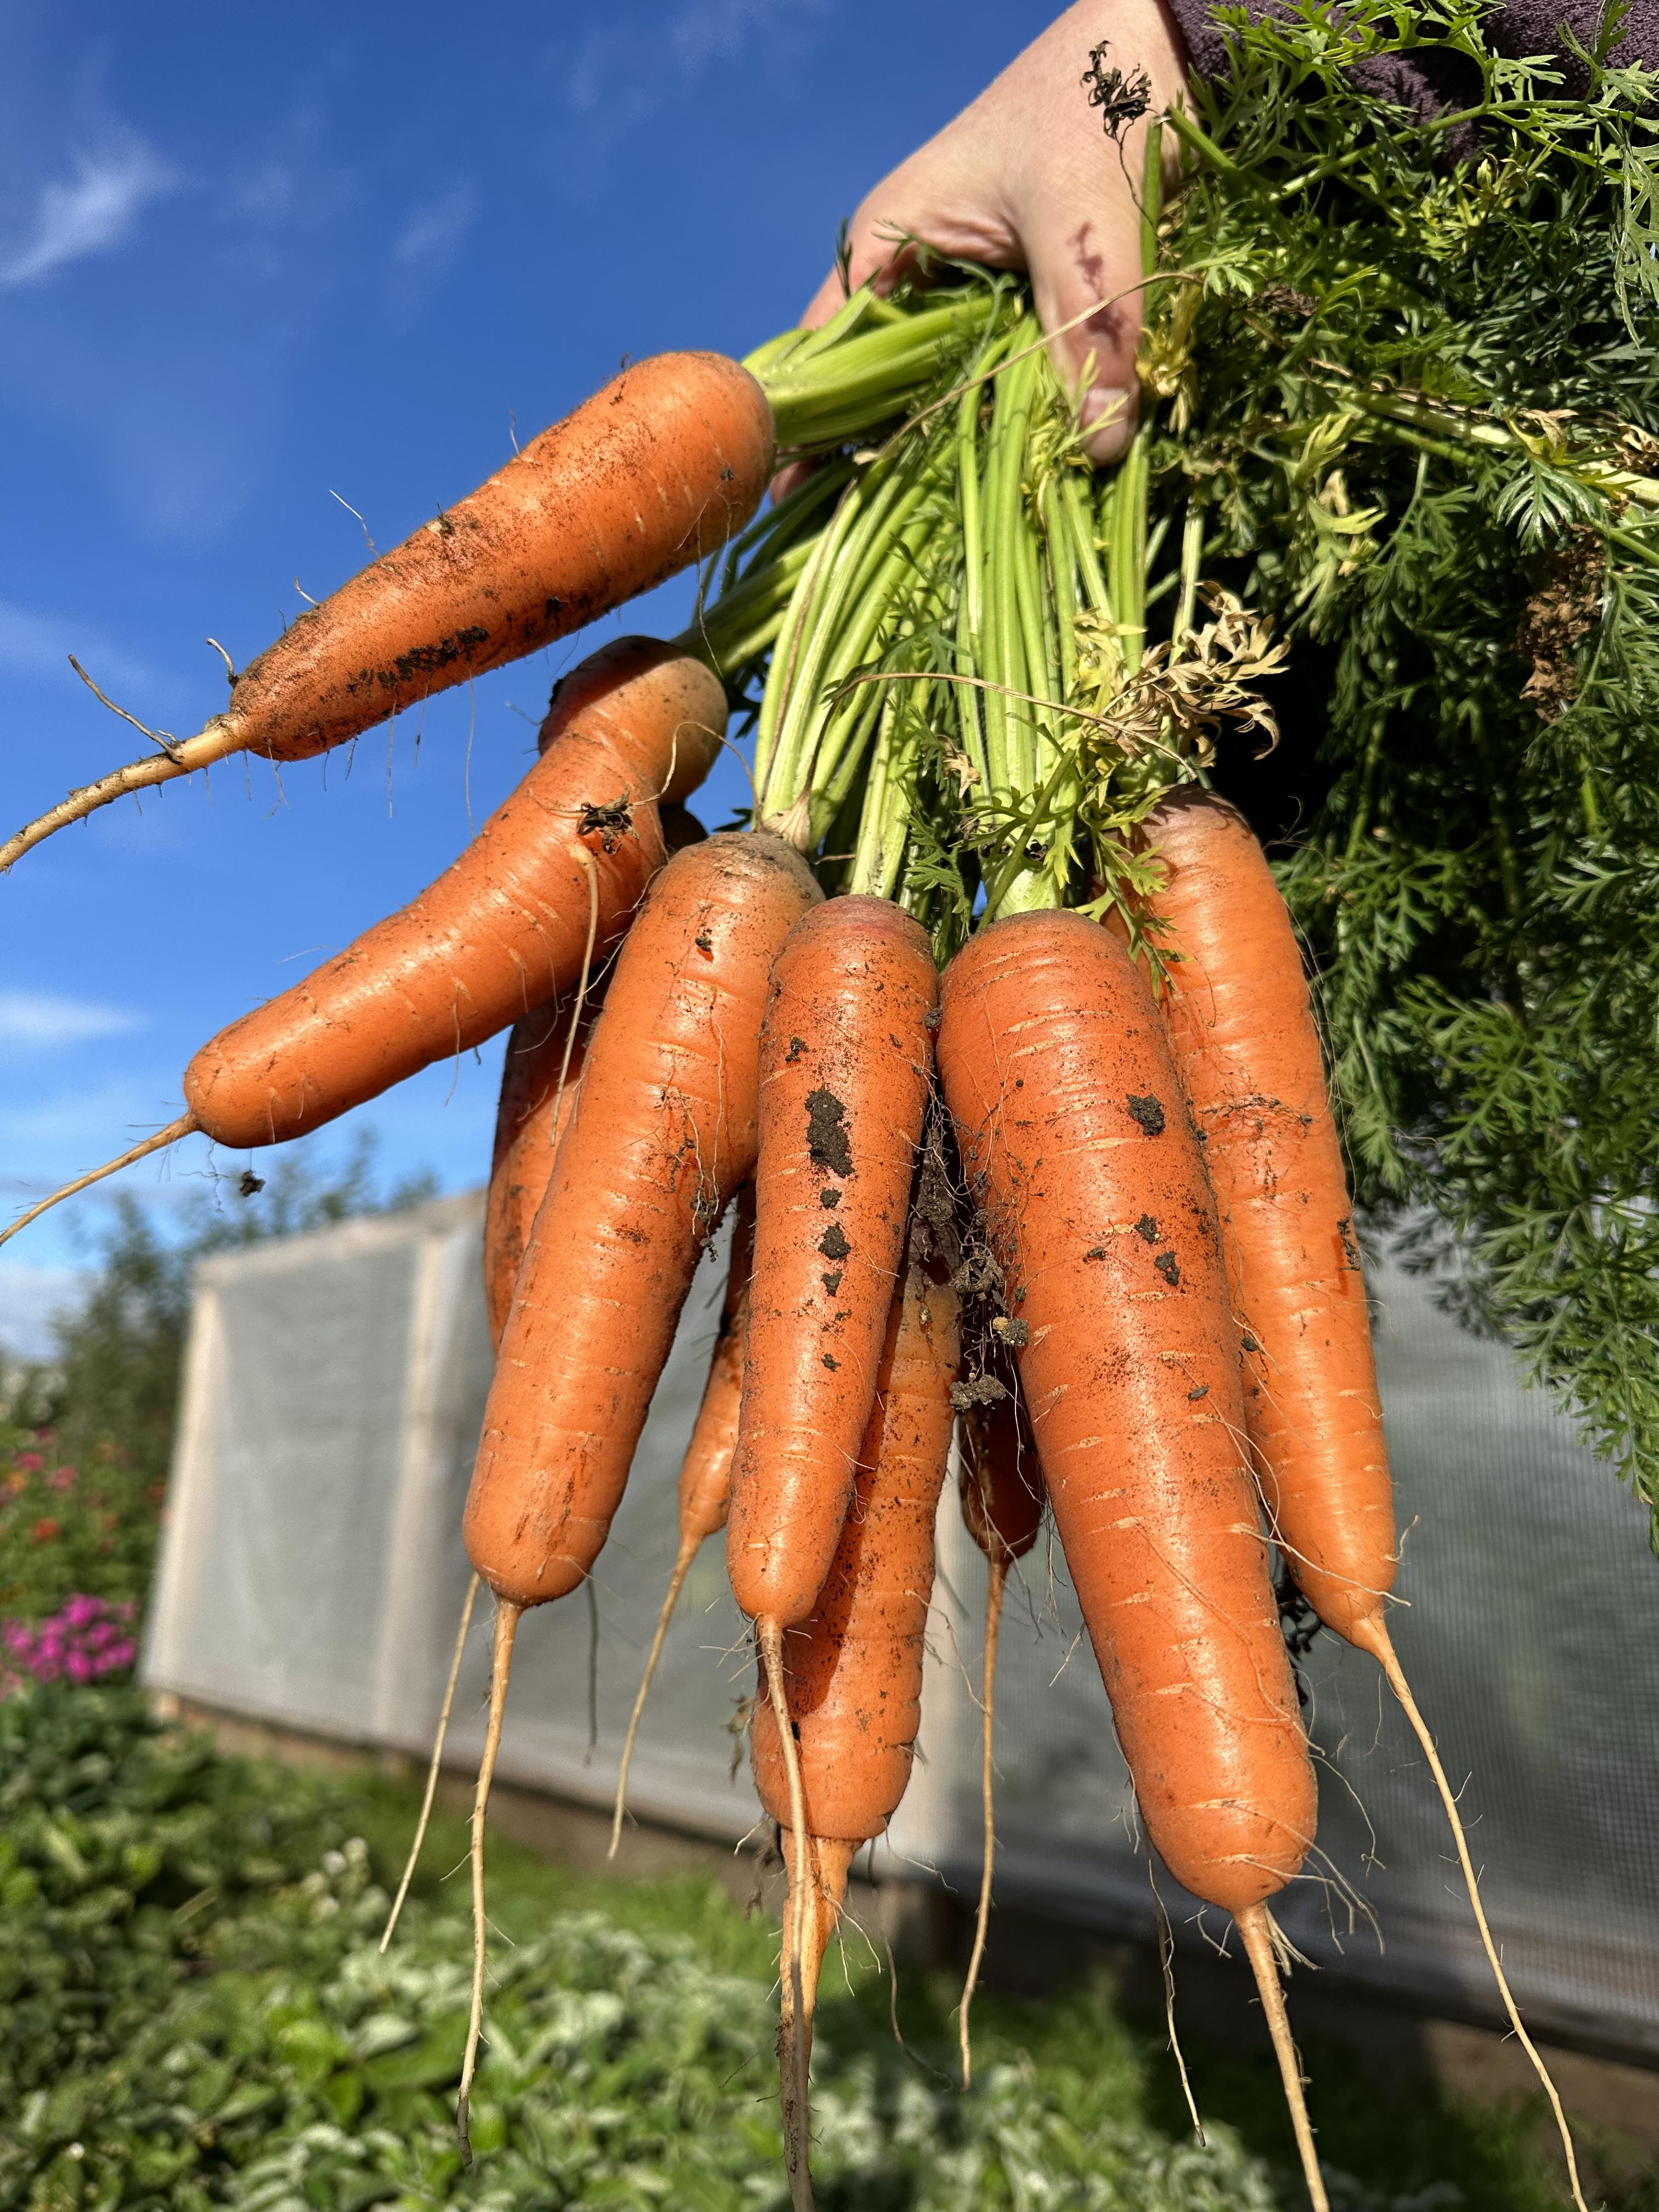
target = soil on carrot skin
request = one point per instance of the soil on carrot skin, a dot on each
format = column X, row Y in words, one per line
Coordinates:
column 829, row 1146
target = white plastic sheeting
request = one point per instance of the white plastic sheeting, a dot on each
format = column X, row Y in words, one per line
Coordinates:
column 312, row 1575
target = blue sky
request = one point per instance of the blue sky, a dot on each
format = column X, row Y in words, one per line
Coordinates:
column 255, row 262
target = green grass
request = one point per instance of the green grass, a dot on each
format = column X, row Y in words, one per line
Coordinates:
column 194, row 2012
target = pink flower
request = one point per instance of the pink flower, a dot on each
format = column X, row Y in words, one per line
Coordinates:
column 31, row 1463
column 63, row 1478
column 79, row 1666
column 80, row 1609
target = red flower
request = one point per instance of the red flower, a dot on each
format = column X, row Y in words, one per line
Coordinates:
column 46, row 1531
column 31, row 1463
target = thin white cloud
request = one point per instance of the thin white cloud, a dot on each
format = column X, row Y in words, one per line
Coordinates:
column 706, row 31
column 42, row 1019
column 40, row 645
column 94, row 212
column 428, row 241
column 623, row 74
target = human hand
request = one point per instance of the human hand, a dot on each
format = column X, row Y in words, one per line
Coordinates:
column 1026, row 178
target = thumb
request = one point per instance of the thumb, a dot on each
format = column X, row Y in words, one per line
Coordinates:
column 1083, row 249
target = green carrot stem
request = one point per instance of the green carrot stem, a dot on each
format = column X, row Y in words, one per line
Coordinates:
column 813, row 736
column 1074, row 498
column 1126, row 560
column 1151, row 196
column 779, row 525
column 824, row 392
column 860, row 519
column 1192, row 559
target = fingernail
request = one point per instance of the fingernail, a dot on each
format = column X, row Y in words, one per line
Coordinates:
column 1107, row 416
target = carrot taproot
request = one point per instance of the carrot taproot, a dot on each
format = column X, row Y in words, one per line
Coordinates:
column 1240, row 1020
column 664, row 1131
column 651, row 474
column 550, row 882
column 541, row 1076
column 832, row 1771
column 846, row 1065
column 1003, row 1500
column 705, row 1484
column 1080, row 1153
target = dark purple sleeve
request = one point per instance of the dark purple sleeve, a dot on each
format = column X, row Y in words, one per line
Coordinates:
column 1519, row 28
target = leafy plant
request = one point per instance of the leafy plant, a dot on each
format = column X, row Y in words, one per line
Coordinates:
column 194, row 2011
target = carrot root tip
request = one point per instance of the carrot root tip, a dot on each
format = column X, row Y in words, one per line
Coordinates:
column 1371, row 1635
column 185, row 1125
column 507, row 1616
column 1256, row 1931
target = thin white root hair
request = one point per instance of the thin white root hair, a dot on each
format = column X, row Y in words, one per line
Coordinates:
column 437, row 1760
column 793, row 2052
column 1257, row 1932
column 507, row 1616
column 688, row 1551
column 1373, row 1635
column 183, row 1127
column 1166, row 1962
column 586, row 860
column 994, row 1593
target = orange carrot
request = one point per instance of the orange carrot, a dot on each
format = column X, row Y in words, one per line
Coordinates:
column 850, row 1677
column 846, row 1061
column 705, row 1486
column 1002, row 1507
column 651, row 474
column 548, row 885
column 541, row 1075
column 1240, row 1025
column 664, row 1131
column 663, row 1134
column 1078, row 1147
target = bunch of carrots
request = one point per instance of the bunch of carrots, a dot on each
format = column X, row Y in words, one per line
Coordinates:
column 991, row 1035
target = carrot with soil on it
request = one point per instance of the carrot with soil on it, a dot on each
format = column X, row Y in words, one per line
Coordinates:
column 705, row 1484
column 1240, row 1019
column 1002, row 1508
column 845, row 1064
column 849, row 1680
column 541, row 1079
column 1086, row 1169
column 652, row 473
column 664, row 1132
column 549, row 884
